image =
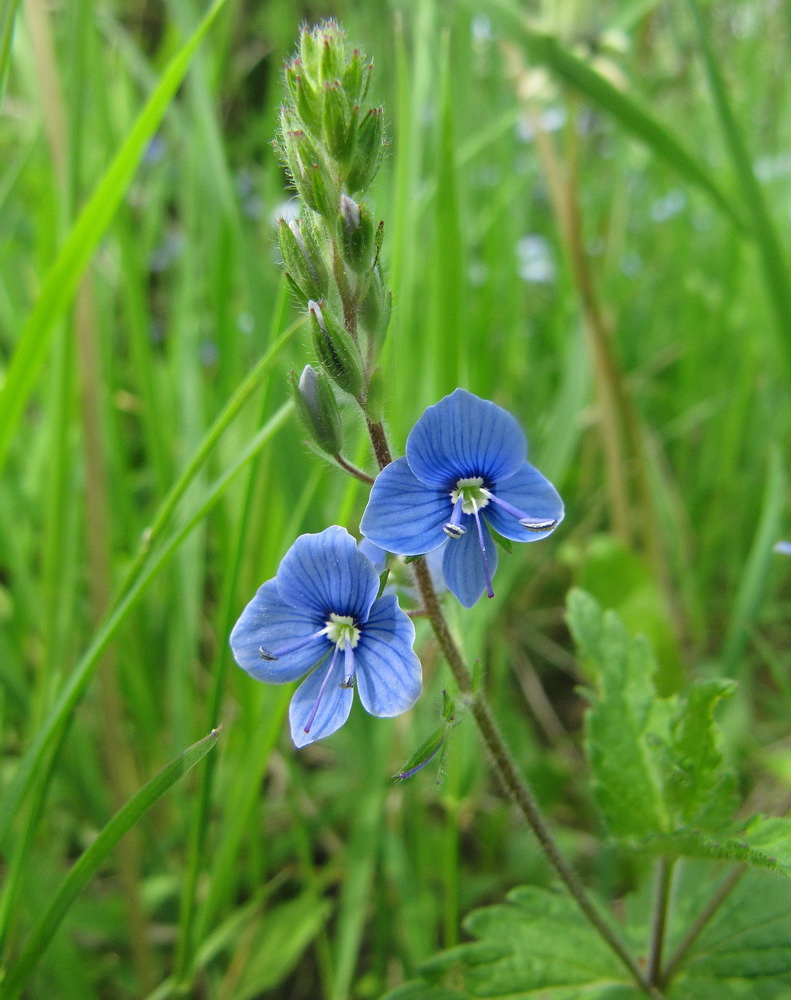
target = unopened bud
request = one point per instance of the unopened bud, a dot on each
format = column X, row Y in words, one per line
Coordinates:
column 336, row 351
column 337, row 133
column 367, row 151
column 306, row 98
column 375, row 308
column 303, row 260
column 318, row 408
column 359, row 235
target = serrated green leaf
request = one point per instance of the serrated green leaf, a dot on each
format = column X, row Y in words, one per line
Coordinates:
column 765, row 842
column 745, row 951
column 698, row 792
column 536, row 945
column 626, row 778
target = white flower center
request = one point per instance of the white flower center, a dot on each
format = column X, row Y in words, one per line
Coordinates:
column 341, row 630
column 471, row 493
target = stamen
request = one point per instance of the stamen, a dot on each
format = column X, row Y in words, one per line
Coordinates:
column 454, row 528
column 482, row 543
column 320, row 695
column 349, row 668
column 530, row 523
column 291, row 647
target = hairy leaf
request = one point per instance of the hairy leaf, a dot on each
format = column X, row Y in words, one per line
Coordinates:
column 626, row 775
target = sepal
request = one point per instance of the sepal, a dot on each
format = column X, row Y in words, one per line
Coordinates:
column 336, row 351
column 318, row 408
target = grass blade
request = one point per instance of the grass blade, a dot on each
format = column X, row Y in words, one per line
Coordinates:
column 545, row 50
column 89, row 862
column 64, row 275
column 775, row 271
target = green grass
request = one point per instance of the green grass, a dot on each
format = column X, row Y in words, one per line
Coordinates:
column 152, row 478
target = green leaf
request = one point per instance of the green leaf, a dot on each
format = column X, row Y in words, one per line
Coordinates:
column 536, row 945
column 89, row 862
column 697, row 790
column 283, row 934
column 765, row 842
column 626, row 777
column 63, row 277
column 744, row 953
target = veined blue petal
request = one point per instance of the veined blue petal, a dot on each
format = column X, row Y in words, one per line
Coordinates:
column 531, row 493
column 334, row 705
column 325, row 573
column 269, row 622
column 403, row 515
column 461, row 436
column 462, row 565
column 389, row 677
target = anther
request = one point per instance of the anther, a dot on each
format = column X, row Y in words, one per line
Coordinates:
column 537, row 524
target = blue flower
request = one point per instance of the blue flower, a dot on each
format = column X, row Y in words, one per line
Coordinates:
column 465, row 471
column 320, row 617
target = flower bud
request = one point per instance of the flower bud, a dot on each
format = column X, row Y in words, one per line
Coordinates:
column 318, row 408
column 337, row 353
column 303, row 259
column 367, row 151
column 359, row 235
column 337, row 133
column 306, row 98
column 375, row 308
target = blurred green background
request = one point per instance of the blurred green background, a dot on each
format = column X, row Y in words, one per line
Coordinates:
column 586, row 212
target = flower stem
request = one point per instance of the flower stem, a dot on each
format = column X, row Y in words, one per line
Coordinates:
column 664, row 877
column 353, row 470
column 695, row 930
column 514, row 783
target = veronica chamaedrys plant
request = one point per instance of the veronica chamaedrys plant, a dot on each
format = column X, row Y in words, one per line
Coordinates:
column 465, row 471
column 321, row 617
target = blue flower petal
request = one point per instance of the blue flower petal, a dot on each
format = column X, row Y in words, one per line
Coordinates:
column 531, row 493
column 325, row 574
column 269, row 622
column 388, row 672
column 462, row 566
column 403, row 515
column 376, row 555
column 462, row 436
column 334, row 706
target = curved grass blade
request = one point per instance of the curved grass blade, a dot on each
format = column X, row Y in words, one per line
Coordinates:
column 545, row 50
column 49, row 735
column 775, row 271
column 88, row 863
column 64, row 275
column 8, row 10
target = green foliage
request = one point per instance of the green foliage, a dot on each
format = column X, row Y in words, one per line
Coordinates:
column 188, row 477
column 537, row 945
column 658, row 773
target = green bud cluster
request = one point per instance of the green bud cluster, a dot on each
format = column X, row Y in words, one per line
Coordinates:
column 331, row 144
column 329, row 141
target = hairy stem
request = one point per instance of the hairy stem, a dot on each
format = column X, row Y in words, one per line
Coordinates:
column 514, row 783
column 664, row 877
column 353, row 470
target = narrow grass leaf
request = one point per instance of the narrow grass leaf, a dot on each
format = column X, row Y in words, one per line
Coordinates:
column 755, row 579
column 775, row 271
column 545, row 50
column 8, row 10
column 64, row 275
column 90, row 861
column 51, row 731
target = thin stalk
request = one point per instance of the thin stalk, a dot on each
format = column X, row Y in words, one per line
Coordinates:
column 697, row 928
column 664, row 879
column 347, row 466
column 513, row 782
